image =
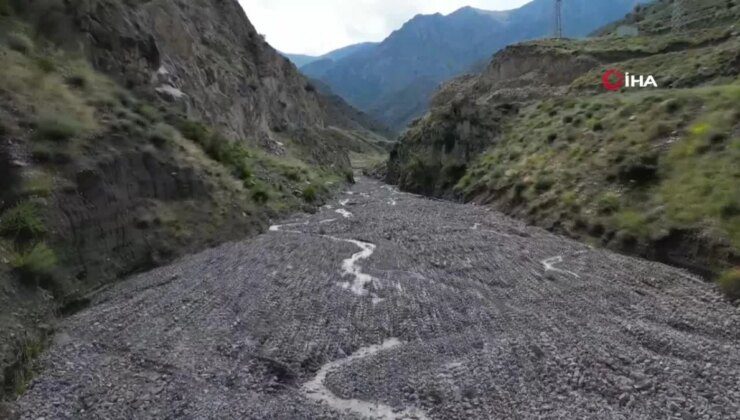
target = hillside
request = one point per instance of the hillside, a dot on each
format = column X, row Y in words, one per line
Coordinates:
column 132, row 133
column 652, row 172
column 393, row 80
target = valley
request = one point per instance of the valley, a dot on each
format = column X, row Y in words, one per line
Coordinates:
column 192, row 226
column 409, row 308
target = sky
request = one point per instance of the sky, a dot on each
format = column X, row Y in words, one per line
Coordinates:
column 315, row 27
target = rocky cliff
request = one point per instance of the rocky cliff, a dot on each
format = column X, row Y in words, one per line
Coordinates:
column 645, row 171
column 133, row 132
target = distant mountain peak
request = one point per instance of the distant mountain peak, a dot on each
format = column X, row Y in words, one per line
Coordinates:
column 393, row 80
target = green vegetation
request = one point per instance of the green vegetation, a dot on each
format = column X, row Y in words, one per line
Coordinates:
column 24, row 219
column 271, row 180
column 162, row 134
column 656, row 161
column 21, row 372
column 5, row 9
column 729, row 282
column 19, row 42
column 58, row 128
column 36, row 262
column 310, row 194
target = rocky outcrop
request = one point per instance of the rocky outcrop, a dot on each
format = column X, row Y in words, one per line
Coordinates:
column 206, row 56
column 466, row 115
column 196, row 132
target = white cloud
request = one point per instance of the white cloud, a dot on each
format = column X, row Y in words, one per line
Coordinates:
column 318, row 26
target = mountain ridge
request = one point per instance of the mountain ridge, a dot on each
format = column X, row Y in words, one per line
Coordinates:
column 429, row 49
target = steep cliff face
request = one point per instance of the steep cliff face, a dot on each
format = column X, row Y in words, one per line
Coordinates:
column 134, row 132
column 646, row 171
column 205, row 55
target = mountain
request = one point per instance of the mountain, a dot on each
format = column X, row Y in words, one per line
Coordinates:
column 300, row 59
column 393, row 80
column 134, row 132
column 651, row 172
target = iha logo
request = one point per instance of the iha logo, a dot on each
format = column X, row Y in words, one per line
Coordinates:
column 614, row 80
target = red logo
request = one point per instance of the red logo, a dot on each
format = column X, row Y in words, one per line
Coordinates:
column 613, row 80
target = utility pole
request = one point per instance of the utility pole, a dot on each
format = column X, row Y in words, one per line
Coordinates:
column 679, row 17
column 558, row 19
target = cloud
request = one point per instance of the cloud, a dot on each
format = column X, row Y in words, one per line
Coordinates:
column 318, row 26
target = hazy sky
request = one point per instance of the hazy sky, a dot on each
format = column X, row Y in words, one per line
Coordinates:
column 316, row 27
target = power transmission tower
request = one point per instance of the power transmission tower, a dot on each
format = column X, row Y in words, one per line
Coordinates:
column 679, row 17
column 558, row 19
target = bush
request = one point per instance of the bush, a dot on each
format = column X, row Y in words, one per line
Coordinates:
column 242, row 171
column 5, row 9
column 37, row 262
column 57, row 128
column 260, row 195
column 194, row 131
column 608, row 202
column 23, row 219
column 20, row 42
column 162, row 134
column 77, row 81
column 45, row 64
column 148, row 112
column 310, row 194
column 729, row 282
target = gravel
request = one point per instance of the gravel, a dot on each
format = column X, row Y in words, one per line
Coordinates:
column 463, row 314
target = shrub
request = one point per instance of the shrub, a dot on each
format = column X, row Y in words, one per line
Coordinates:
column 5, row 9
column 38, row 183
column 729, row 282
column 260, row 195
column 349, row 176
column 23, row 219
column 162, row 134
column 608, row 202
column 148, row 112
column 57, row 128
column 310, row 194
column 20, row 42
column 45, row 64
column 77, row 81
column 37, row 262
column 194, row 131
column 543, row 183
column 242, row 171
column 632, row 222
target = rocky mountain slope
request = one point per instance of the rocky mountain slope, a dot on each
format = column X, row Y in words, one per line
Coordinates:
column 301, row 60
column 394, row 80
column 652, row 172
column 132, row 132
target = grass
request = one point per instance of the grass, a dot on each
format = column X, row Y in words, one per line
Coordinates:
column 38, row 183
column 34, row 263
column 36, row 85
column 657, row 161
column 271, row 180
column 162, row 134
column 729, row 283
column 19, row 42
column 310, row 193
column 21, row 372
column 58, row 128
column 24, row 219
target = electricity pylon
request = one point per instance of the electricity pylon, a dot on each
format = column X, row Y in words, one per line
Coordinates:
column 558, row 18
